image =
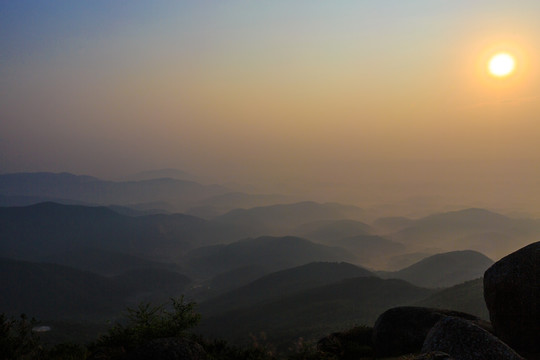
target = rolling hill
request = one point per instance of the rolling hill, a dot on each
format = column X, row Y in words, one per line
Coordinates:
column 55, row 292
column 269, row 253
column 454, row 231
column 327, row 231
column 443, row 270
column 370, row 250
column 467, row 297
column 220, row 204
column 315, row 312
column 102, row 262
column 281, row 284
column 40, row 231
column 283, row 219
column 50, row 291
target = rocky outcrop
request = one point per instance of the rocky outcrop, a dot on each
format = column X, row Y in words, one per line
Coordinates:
column 402, row 330
column 464, row 340
column 512, row 294
column 169, row 349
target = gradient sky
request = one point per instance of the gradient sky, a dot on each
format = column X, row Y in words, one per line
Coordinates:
column 348, row 100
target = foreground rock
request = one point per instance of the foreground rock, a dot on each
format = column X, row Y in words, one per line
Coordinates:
column 512, row 294
column 402, row 330
column 463, row 340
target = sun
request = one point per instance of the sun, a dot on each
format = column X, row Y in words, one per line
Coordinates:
column 501, row 65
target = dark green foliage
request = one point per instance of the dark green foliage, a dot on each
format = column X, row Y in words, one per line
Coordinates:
column 222, row 350
column 17, row 340
column 306, row 350
column 147, row 322
column 67, row 351
column 348, row 345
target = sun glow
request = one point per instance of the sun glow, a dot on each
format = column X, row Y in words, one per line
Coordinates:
column 501, row 65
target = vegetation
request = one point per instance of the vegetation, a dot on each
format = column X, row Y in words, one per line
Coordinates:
column 147, row 322
column 17, row 341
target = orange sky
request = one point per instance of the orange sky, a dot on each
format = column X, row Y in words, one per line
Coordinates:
column 359, row 101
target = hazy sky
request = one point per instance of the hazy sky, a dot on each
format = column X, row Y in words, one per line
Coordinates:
column 351, row 99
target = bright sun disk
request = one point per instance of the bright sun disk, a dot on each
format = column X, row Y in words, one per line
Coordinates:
column 501, row 65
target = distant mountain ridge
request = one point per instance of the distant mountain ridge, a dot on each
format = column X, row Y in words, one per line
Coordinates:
column 283, row 219
column 328, row 231
column 39, row 231
column 477, row 229
column 220, row 204
column 180, row 193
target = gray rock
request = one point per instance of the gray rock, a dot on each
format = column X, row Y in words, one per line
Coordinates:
column 169, row 349
column 402, row 330
column 512, row 294
column 464, row 340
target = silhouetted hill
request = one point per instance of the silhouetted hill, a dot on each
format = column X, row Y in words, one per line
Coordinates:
column 49, row 291
column 392, row 224
column 443, row 270
column 153, row 284
column 453, row 230
column 283, row 283
column 316, row 312
column 233, row 279
column 42, row 230
column 104, row 262
column 270, row 253
column 327, row 231
column 282, row 219
column 370, row 250
column 162, row 173
column 21, row 200
column 140, row 209
column 220, row 204
column 180, row 193
column 401, row 261
column 467, row 297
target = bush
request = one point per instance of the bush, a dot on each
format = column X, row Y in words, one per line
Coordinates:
column 17, row 340
column 147, row 322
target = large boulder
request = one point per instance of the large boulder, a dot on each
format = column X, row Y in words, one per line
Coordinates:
column 463, row 340
column 512, row 294
column 402, row 330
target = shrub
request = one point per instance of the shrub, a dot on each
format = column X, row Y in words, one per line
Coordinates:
column 17, row 340
column 147, row 322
